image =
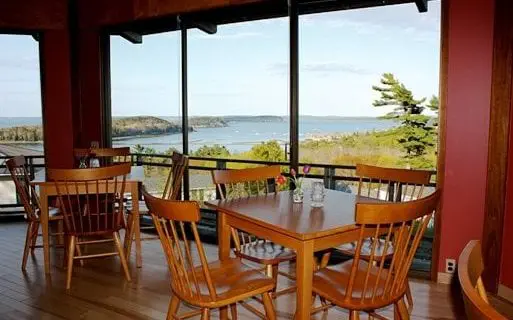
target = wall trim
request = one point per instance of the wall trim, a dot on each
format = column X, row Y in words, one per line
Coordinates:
column 505, row 293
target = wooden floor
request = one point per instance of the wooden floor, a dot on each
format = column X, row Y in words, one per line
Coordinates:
column 99, row 290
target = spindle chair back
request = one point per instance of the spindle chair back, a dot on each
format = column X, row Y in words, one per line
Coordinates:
column 91, row 201
column 391, row 184
column 192, row 280
column 28, row 196
column 373, row 282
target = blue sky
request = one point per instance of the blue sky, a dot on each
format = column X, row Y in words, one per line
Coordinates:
column 243, row 69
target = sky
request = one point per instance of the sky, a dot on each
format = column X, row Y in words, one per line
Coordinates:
column 243, row 68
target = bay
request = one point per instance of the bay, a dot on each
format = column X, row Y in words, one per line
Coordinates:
column 239, row 136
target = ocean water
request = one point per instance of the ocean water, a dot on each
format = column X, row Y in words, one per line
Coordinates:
column 238, row 136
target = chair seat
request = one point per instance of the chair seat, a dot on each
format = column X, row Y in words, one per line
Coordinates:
column 265, row 252
column 233, row 281
column 365, row 252
column 331, row 283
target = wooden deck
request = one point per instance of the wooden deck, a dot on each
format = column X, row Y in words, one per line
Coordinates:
column 100, row 292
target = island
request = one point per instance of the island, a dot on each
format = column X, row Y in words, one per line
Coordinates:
column 207, row 122
column 121, row 128
column 144, row 126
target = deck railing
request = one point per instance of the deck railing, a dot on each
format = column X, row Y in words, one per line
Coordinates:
column 338, row 177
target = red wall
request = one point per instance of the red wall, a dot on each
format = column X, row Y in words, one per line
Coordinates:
column 506, row 276
column 470, row 42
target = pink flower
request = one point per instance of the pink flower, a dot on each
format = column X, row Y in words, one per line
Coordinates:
column 306, row 169
column 293, row 172
column 280, row 180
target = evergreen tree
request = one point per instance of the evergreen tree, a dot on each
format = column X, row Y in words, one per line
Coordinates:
column 416, row 132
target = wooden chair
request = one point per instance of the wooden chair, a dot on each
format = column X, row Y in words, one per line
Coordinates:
column 470, row 268
column 391, row 184
column 233, row 184
column 387, row 184
column 193, row 280
column 172, row 191
column 91, row 201
column 105, row 156
column 376, row 282
column 28, row 196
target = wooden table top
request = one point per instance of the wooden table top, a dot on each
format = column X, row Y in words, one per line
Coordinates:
column 299, row 220
column 136, row 174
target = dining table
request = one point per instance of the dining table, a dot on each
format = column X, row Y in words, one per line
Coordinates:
column 47, row 190
column 298, row 226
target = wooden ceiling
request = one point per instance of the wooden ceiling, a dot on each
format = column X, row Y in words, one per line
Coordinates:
column 151, row 16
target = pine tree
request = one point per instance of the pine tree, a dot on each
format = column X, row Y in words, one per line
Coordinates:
column 416, row 132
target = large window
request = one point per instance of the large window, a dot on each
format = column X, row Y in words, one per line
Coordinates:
column 343, row 55
column 238, row 97
column 146, row 99
column 20, row 105
column 146, row 95
column 238, row 80
column 20, row 96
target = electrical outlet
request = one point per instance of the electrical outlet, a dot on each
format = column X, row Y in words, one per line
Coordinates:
column 450, row 265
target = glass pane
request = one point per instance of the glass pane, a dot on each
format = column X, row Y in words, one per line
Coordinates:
column 238, row 91
column 20, row 107
column 343, row 55
column 146, row 102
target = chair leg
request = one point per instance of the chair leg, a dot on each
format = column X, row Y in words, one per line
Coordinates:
column 205, row 314
column 60, row 230
column 354, row 315
column 35, row 231
column 409, row 297
column 122, row 256
column 79, row 252
column 401, row 310
column 274, row 275
column 28, row 245
column 174, row 304
column 233, row 310
column 71, row 254
column 129, row 235
column 268, row 306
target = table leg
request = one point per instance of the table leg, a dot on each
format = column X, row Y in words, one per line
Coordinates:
column 137, row 224
column 304, row 275
column 44, row 227
column 223, row 236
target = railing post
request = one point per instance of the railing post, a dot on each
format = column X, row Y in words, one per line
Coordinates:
column 329, row 182
column 220, row 165
column 32, row 172
column 138, row 159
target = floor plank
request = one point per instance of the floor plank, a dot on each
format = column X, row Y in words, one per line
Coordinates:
column 99, row 290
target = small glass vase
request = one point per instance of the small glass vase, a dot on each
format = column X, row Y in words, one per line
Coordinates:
column 297, row 195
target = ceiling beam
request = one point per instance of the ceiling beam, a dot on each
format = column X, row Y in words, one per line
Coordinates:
column 422, row 5
column 206, row 27
column 133, row 37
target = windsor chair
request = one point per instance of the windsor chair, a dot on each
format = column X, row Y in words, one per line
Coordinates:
column 194, row 281
column 91, row 201
column 387, row 184
column 172, row 191
column 233, row 184
column 376, row 281
column 30, row 200
column 470, row 268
